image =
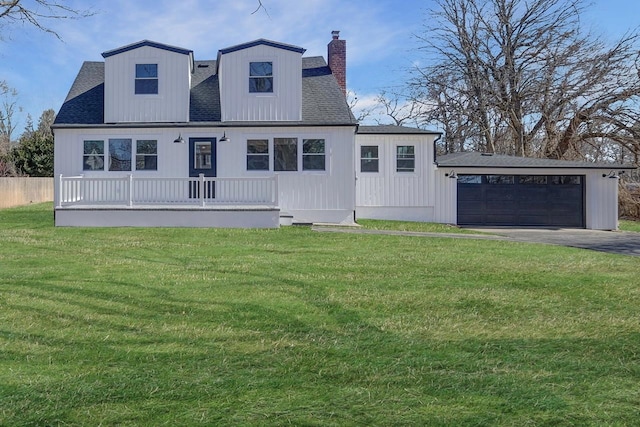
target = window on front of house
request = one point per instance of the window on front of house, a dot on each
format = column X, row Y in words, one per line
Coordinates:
column 285, row 154
column 257, row 155
column 261, row 77
column 119, row 154
column 146, row 79
column 146, row 154
column 405, row 158
column 93, row 157
column 369, row 160
column 313, row 155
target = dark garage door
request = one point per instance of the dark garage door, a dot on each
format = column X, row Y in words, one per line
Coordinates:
column 521, row 200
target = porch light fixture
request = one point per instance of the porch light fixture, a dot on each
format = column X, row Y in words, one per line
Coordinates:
column 179, row 139
column 224, row 138
column 451, row 174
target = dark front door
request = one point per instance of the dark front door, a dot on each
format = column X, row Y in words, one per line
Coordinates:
column 521, row 200
column 202, row 160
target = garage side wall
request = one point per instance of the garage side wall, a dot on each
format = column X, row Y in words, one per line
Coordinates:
column 601, row 201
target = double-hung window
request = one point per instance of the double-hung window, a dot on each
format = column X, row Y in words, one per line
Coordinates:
column 261, row 77
column 146, row 79
column 405, row 158
column 313, row 155
column 146, row 154
column 258, row 155
column 93, row 157
column 369, row 160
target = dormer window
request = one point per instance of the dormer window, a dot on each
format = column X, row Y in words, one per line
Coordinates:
column 261, row 77
column 146, row 79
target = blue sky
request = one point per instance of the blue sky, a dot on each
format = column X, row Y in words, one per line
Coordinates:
column 379, row 34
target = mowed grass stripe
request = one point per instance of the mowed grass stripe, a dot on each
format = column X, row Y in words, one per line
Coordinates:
column 133, row 326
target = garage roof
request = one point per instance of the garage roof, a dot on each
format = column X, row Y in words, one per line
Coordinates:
column 394, row 130
column 486, row 160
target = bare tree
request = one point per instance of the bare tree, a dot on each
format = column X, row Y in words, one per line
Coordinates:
column 520, row 77
column 8, row 108
column 401, row 111
column 261, row 6
column 37, row 13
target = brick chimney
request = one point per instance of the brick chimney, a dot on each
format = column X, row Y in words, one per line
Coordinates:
column 337, row 58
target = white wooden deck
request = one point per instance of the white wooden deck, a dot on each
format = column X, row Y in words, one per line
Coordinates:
column 168, row 202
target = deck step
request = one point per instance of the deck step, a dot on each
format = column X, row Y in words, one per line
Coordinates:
column 286, row 218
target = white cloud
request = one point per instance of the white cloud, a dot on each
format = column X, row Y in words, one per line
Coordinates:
column 42, row 68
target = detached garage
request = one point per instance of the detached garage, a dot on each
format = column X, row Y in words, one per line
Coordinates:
column 495, row 190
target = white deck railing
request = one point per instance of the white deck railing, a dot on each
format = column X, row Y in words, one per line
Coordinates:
column 136, row 191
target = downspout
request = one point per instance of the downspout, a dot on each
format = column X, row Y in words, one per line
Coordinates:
column 435, row 151
column 355, row 168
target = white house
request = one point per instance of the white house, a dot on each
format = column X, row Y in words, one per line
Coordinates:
column 263, row 136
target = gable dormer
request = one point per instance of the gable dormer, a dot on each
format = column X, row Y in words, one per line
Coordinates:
column 147, row 82
column 261, row 81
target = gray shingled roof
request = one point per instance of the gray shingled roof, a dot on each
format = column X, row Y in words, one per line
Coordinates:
column 482, row 160
column 394, row 130
column 85, row 101
column 323, row 102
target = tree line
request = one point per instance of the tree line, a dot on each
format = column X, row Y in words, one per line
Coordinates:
column 32, row 153
column 523, row 78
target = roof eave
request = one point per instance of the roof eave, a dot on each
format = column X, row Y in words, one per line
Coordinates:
column 197, row 125
column 149, row 43
column 585, row 166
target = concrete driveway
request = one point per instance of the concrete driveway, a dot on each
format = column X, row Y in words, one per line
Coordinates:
column 617, row 242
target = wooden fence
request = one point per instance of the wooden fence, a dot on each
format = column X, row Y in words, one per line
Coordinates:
column 22, row 191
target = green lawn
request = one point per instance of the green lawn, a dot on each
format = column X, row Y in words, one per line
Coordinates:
column 627, row 225
column 184, row 327
column 425, row 227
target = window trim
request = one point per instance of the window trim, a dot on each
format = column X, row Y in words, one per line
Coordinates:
column 377, row 159
column 146, row 78
column 397, row 158
column 308, row 155
column 297, row 154
column 138, row 154
column 110, row 162
column 85, row 155
column 272, row 77
column 267, row 154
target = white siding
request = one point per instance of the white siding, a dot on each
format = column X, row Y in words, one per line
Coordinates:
column 446, row 196
column 311, row 196
column 171, row 104
column 601, row 194
column 389, row 194
column 285, row 103
column 601, row 201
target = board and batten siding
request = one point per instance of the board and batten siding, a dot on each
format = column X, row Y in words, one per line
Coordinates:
column 388, row 194
column 601, row 201
column 311, row 196
column 171, row 104
column 285, row 103
column 601, row 194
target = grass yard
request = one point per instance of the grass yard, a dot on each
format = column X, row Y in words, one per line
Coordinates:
column 424, row 227
column 180, row 327
column 626, row 225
